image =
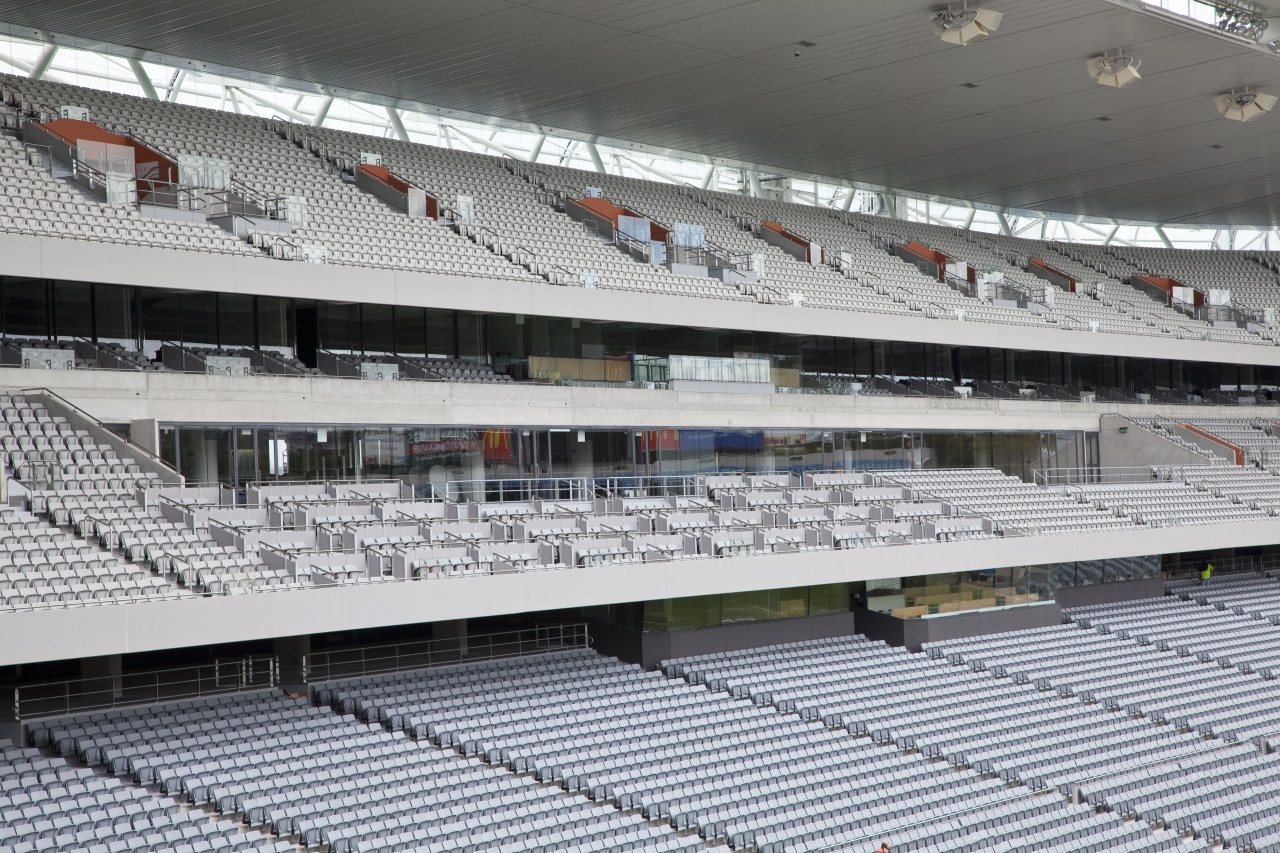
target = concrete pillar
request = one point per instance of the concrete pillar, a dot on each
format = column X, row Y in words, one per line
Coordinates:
column 291, row 651
column 455, row 629
column 102, row 674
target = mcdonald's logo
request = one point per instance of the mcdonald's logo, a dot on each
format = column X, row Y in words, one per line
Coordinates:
column 498, row 446
column 661, row 439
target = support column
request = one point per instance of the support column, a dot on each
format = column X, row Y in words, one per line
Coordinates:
column 455, row 629
column 102, row 675
column 291, row 652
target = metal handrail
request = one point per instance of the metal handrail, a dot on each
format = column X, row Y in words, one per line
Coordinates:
column 134, row 449
column 272, row 206
column 191, row 195
column 529, row 264
column 98, row 178
column 59, row 698
column 320, row 667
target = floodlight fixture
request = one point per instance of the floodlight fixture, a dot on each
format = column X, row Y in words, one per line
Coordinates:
column 1114, row 69
column 966, row 25
column 1244, row 104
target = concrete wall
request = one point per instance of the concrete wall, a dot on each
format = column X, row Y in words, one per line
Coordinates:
column 138, row 397
column 649, row 649
column 82, row 260
column 75, row 632
column 1109, row 593
column 914, row 633
column 1139, row 447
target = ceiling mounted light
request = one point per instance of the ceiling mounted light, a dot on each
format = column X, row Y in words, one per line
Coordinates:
column 1239, row 20
column 1244, row 105
column 966, row 25
column 1114, row 69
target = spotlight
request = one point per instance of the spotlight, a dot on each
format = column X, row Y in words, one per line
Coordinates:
column 1117, row 70
column 1244, row 105
column 966, row 25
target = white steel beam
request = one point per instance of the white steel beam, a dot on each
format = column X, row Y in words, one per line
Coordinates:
column 486, row 143
column 594, row 153
column 291, row 114
column 397, row 125
column 144, row 80
column 658, row 173
column 322, row 111
column 43, row 61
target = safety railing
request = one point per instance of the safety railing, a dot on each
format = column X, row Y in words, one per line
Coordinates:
column 243, row 200
column 97, row 181
column 710, row 254
column 490, row 491
column 59, row 405
column 482, row 235
column 59, row 698
column 169, row 194
column 561, row 275
column 551, row 198
column 637, row 249
column 1106, row 476
column 1223, row 567
column 525, row 257
column 961, row 285
column 324, row 666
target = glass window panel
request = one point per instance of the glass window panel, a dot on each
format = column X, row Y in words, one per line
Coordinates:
column 379, row 329
column 26, row 307
column 113, row 314
column 275, row 322
column 441, row 335
column 205, row 454
column 471, row 337
column 410, row 330
column 73, row 309
column 200, row 319
column 169, row 445
column 337, row 325
column 161, row 317
column 236, row 320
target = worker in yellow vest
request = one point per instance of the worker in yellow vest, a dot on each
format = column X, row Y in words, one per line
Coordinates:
column 1206, row 572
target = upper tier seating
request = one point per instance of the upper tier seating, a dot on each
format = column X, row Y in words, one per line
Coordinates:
column 347, row 221
column 518, row 235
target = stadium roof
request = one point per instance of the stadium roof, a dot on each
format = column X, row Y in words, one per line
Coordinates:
column 857, row 90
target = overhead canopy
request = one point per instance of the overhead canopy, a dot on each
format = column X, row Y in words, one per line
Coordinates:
column 873, row 95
